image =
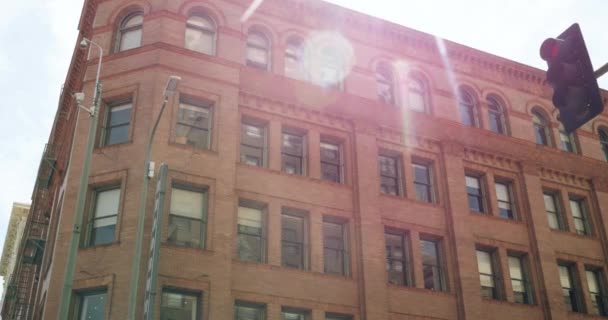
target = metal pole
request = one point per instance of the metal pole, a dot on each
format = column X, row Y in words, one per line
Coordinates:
column 68, row 278
column 141, row 218
column 601, row 71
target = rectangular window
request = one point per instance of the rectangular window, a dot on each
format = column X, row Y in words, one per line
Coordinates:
column 188, row 217
column 567, row 141
column 292, row 154
column 475, row 194
column 103, row 220
column 177, row 305
column 294, row 252
column 118, row 120
column 519, row 280
column 595, row 282
column 432, row 266
column 253, row 144
column 570, row 293
column 193, row 126
column 335, row 316
column 487, row 274
column 249, row 311
column 577, row 206
column 91, row 305
column 294, row 314
column 390, row 175
column 504, row 195
column 553, row 213
column 331, row 162
column 335, row 251
column 397, row 259
column 423, row 182
column 251, row 233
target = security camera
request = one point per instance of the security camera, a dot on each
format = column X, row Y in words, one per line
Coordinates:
column 83, row 44
column 79, row 97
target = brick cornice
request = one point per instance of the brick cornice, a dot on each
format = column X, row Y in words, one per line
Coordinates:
column 452, row 148
column 600, row 184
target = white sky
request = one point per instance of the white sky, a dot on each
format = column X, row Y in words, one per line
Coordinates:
column 38, row 38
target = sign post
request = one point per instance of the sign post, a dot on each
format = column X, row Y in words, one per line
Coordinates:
column 152, row 271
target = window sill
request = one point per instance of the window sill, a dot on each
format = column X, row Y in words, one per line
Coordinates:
column 101, row 149
column 402, row 198
column 493, row 217
column 291, row 175
column 166, row 244
column 100, row 246
column 574, row 234
column 193, row 148
column 422, row 290
column 509, row 303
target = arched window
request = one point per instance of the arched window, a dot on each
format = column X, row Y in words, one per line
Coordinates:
column 200, row 34
column 496, row 115
column 293, row 59
column 541, row 128
column 129, row 32
column 468, row 114
column 385, row 84
column 258, row 50
column 331, row 68
column 604, row 142
column 417, row 94
column 567, row 140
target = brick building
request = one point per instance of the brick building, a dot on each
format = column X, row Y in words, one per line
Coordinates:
column 323, row 164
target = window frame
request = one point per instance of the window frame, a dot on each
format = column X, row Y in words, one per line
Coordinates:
column 263, row 127
column 430, row 187
column 339, row 164
column 440, row 266
column 263, row 236
column 603, row 137
column 567, row 142
column 526, row 283
column 77, row 310
column 107, row 117
column 385, row 76
column 204, row 220
column 304, row 313
column 559, row 212
column 481, row 197
column 541, row 128
column 496, row 290
column 298, row 214
column 267, row 50
column 345, row 250
column 397, row 159
column 511, row 202
column 212, row 32
column 581, row 202
column 296, row 43
column 260, row 307
column 185, row 292
column 92, row 213
column 497, row 115
column 574, row 302
column 191, row 103
column 468, row 108
column 302, row 157
column 406, row 259
column 122, row 30
column 422, row 91
column 598, row 299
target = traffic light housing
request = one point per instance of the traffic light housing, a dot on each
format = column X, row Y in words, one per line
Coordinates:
column 570, row 73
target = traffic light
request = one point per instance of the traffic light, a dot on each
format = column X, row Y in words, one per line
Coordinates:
column 570, row 73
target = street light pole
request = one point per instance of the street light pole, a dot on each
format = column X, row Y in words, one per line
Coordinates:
column 169, row 91
column 68, row 278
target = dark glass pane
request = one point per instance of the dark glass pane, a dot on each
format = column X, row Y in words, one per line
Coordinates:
column 475, row 203
column 334, row 261
column 292, row 164
column 252, row 155
column 248, row 313
column 117, row 134
column 292, row 254
column 506, row 213
column 496, row 122
column 192, row 136
column 103, row 235
column 396, row 271
column 330, row 172
column 93, row 306
column 249, row 247
column 119, row 115
column 423, row 192
column 293, row 144
column 193, row 116
column 185, row 231
column 330, row 153
column 421, row 174
column 389, row 185
column 253, row 135
column 178, row 306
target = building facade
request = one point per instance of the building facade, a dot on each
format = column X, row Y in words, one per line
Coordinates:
column 14, row 234
column 323, row 164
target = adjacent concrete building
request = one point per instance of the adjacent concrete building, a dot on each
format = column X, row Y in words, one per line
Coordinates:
column 323, row 164
column 14, row 234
